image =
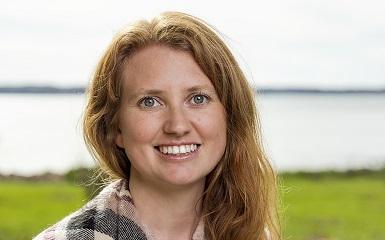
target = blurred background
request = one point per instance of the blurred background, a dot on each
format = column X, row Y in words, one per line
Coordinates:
column 318, row 68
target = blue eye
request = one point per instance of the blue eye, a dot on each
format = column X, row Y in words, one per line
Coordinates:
column 199, row 99
column 148, row 102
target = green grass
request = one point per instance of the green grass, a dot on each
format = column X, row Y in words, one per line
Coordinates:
column 315, row 208
column 27, row 208
column 333, row 208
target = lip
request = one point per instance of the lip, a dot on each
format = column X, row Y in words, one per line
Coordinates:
column 177, row 143
column 180, row 157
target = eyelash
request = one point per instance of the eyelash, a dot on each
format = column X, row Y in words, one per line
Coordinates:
column 207, row 98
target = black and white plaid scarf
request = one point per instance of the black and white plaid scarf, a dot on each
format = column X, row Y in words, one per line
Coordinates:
column 109, row 216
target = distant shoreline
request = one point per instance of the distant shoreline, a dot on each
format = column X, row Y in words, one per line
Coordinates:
column 83, row 171
column 317, row 91
column 81, row 90
column 41, row 90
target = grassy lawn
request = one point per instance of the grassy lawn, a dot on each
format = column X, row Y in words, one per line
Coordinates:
column 315, row 209
column 334, row 208
column 27, row 208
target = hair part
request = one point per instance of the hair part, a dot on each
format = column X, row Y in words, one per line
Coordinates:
column 240, row 197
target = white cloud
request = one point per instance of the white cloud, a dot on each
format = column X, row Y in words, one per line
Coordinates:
column 280, row 43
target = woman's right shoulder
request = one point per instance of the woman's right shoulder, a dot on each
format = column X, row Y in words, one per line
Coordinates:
column 78, row 225
column 92, row 221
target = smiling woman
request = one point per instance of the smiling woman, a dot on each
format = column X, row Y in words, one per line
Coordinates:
column 171, row 105
column 171, row 117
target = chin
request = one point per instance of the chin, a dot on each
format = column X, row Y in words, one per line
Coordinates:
column 184, row 181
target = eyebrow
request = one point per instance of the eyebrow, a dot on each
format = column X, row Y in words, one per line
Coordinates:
column 200, row 88
column 142, row 91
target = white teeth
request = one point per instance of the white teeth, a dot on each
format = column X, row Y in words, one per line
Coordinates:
column 178, row 149
column 164, row 149
column 175, row 150
column 182, row 149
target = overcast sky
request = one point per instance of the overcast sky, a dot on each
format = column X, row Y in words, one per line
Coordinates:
column 298, row 43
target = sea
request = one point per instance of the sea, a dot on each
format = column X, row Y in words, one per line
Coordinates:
column 311, row 132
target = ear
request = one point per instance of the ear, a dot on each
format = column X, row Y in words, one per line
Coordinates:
column 119, row 139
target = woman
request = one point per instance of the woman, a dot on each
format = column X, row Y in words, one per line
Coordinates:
column 172, row 117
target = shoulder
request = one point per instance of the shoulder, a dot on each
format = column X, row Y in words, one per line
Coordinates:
column 110, row 215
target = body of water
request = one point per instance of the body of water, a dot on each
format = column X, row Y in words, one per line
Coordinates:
column 41, row 133
column 313, row 132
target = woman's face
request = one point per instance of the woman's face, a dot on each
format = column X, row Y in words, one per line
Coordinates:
column 172, row 124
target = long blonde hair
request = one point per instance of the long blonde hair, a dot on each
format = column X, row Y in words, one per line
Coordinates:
column 239, row 201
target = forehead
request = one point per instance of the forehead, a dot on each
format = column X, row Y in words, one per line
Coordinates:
column 162, row 67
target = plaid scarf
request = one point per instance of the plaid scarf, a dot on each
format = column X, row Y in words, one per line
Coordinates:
column 109, row 216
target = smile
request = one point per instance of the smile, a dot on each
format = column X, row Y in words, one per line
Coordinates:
column 178, row 149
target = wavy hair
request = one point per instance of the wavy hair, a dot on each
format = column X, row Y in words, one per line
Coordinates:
column 240, row 197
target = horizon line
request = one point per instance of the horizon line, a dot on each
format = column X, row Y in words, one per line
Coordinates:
column 49, row 89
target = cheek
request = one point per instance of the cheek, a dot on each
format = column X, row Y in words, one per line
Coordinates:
column 212, row 126
column 138, row 127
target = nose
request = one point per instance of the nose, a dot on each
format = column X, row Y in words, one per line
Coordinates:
column 177, row 122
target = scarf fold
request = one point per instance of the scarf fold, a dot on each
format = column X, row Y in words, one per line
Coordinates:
column 109, row 216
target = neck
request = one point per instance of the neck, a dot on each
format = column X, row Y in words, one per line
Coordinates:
column 169, row 213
